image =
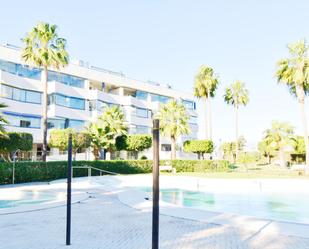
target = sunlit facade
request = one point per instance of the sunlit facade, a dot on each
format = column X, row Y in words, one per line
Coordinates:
column 78, row 94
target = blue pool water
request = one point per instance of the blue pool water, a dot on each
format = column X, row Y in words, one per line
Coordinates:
column 16, row 198
column 284, row 206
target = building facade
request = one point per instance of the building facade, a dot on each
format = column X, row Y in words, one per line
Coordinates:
column 78, row 95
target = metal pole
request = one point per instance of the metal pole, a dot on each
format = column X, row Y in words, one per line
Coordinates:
column 14, row 161
column 155, row 186
column 13, row 179
column 69, row 192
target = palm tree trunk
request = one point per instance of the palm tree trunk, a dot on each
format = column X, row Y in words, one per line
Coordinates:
column 281, row 158
column 44, row 78
column 209, row 116
column 206, row 119
column 236, row 133
column 173, row 154
column 301, row 99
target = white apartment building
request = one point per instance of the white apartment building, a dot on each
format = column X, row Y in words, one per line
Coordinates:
column 78, row 94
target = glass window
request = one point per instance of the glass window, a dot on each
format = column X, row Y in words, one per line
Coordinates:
column 6, row 92
column 76, row 123
column 62, row 100
column 33, row 97
column 66, row 79
column 189, row 105
column 141, row 112
column 20, row 70
column 193, row 120
column 62, row 123
column 160, row 98
column 20, row 94
column 140, row 129
column 21, row 120
column 55, row 123
column 141, row 95
column 166, row 147
column 77, row 103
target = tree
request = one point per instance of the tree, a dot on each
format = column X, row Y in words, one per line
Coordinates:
column 134, row 143
column 200, row 147
column 266, row 149
column 59, row 139
column 104, row 132
column 280, row 137
column 3, row 121
column 14, row 141
column 229, row 148
column 236, row 95
column 205, row 86
column 43, row 48
column 294, row 72
column 173, row 122
column 300, row 147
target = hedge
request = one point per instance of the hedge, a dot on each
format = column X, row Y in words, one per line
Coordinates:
column 40, row 171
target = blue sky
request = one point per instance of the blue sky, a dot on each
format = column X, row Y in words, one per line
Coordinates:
column 167, row 41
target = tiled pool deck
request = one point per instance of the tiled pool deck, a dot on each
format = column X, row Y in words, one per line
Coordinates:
column 105, row 222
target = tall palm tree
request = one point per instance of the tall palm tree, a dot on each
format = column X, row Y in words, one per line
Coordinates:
column 237, row 95
column 294, row 72
column 43, row 48
column 280, row 136
column 206, row 83
column 3, row 121
column 109, row 126
column 173, row 122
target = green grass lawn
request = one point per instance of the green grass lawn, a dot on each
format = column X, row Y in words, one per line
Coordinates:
column 249, row 171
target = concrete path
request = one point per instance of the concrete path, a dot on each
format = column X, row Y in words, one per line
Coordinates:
column 103, row 222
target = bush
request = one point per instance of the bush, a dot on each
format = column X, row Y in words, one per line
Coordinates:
column 15, row 141
column 199, row 165
column 40, row 171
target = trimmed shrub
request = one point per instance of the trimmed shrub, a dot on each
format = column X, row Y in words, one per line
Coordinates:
column 41, row 171
column 199, row 165
column 198, row 146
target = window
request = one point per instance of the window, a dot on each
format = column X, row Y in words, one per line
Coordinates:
column 190, row 105
column 20, row 70
column 62, row 100
column 159, row 98
column 23, row 120
column 22, row 95
column 193, row 120
column 141, row 112
column 98, row 105
column 66, row 79
column 166, row 147
column 139, row 129
column 55, row 123
column 62, row 123
column 141, row 95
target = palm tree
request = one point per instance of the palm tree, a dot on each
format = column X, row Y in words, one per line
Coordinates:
column 43, row 48
column 205, row 86
column 173, row 122
column 3, row 121
column 280, row 136
column 104, row 132
column 236, row 95
column 294, row 72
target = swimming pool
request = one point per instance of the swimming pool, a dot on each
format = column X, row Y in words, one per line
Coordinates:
column 277, row 206
column 10, row 198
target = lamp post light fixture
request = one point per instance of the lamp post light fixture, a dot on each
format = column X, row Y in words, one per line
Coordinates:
column 14, row 161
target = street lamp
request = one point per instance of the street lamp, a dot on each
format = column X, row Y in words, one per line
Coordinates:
column 14, row 160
